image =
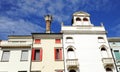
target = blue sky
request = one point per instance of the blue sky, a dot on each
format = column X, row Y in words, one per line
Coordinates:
column 23, row 17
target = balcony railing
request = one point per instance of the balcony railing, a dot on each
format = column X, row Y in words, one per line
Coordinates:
column 72, row 63
column 108, row 61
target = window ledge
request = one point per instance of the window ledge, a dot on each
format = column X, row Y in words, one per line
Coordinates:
column 58, row 60
column 23, row 60
column 4, row 61
column 36, row 61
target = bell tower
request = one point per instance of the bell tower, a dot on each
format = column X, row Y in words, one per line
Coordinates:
column 81, row 19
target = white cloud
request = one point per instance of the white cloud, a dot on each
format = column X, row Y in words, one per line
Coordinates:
column 19, row 27
column 60, row 9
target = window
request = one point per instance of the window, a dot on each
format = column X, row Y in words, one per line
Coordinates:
column 78, row 19
column 6, row 55
column 72, row 70
column 37, row 54
column 58, row 53
column 37, row 41
column 70, row 53
column 57, row 40
column 108, row 70
column 85, row 19
column 117, row 54
column 69, row 39
column 24, row 55
column 101, row 39
column 104, row 52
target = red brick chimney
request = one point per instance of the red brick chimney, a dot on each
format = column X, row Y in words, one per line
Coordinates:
column 48, row 19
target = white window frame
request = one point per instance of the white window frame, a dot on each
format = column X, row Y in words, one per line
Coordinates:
column 22, row 56
column 3, row 59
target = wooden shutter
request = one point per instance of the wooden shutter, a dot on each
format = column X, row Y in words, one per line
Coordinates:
column 33, row 54
column 60, row 50
column 41, row 51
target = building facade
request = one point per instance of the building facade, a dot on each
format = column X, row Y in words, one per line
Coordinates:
column 15, row 54
column 47, row 53
column 115, row 48
column 86, row 48
column 81, row 47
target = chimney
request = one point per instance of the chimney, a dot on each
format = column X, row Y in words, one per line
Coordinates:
column 48, row 19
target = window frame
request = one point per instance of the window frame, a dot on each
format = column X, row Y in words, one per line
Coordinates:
column 101, row 40
column 57, row 41
column 37, row 42
column 60, row 54
column 78, row 19
column 3, row 56
column 40, row 54
column 22, row 56
column 116, row 56
column 85, row 19
column 22, row 71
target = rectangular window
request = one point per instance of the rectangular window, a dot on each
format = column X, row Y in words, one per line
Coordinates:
column 117, row 54
column 58, row 53
column 37, row 54
column 101, row 39
column 57, row 40
column 5, row 55
column 37, row 41
column 24, row 55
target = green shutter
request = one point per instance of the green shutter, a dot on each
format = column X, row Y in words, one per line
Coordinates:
column 117, row 54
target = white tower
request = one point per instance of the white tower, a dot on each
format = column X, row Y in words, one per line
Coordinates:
column 86, row 47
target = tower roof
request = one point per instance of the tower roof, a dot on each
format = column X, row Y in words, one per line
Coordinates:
column 81, row 13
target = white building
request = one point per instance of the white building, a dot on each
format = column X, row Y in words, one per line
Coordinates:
column 15, row 54
column 86, row 48
column 115, row 47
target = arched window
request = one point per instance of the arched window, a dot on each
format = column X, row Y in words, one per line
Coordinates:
column 104, row 52
column 69, row 39
column 108, row 70
column 78, row 19
column 70, row 53
column 70, row 49
column 85, row 19
column 72, row 70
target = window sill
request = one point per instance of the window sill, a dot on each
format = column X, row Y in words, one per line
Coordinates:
column 4, row 61
column 36, row 61
column 37, row 43
column 58, row 60
column 57, row 43
column 23, row 60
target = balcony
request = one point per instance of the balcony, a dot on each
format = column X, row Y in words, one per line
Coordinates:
column 107, row 61
column 15, row 44
column 72, row 63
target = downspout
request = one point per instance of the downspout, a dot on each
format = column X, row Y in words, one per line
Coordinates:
column 113, row 58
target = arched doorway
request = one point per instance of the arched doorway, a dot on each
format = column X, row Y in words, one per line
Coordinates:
column 72, row 70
